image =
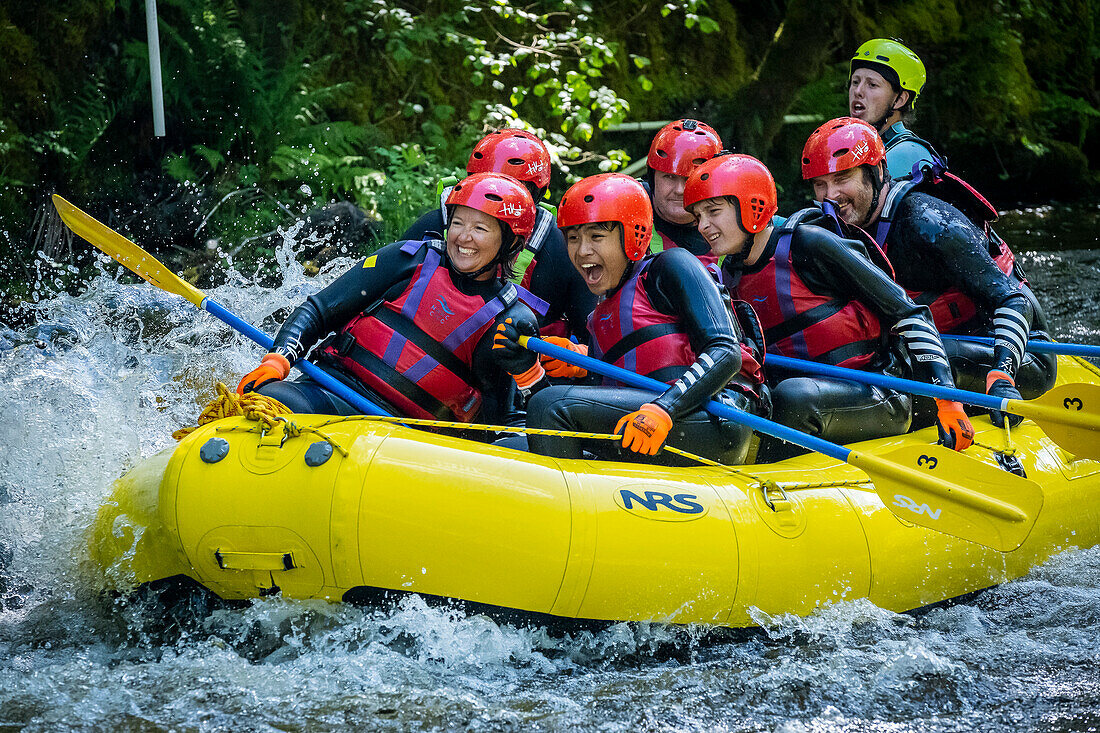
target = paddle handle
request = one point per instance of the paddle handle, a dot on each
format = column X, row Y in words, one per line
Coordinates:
column 714, row 407
column 1039, row 347
column 323, row 378
column 884, row 380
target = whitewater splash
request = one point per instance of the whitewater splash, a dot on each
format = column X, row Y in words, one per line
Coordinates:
column 103, row 378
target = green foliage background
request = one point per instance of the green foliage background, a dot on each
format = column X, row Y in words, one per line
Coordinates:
column 277, row 108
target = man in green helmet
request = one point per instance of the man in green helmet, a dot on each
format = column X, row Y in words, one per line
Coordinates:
column 884, row 81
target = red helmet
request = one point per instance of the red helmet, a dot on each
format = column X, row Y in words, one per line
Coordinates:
column 681, row 145
column 611, row 197
column 515, row 152
column 741, row 176
column 501, row 197
column 841, row 144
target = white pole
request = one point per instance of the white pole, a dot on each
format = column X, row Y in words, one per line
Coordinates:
column 154, row 66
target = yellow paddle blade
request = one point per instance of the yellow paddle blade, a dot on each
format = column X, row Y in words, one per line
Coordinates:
column 1069, row 415
column 953, row 493
column 140, row 262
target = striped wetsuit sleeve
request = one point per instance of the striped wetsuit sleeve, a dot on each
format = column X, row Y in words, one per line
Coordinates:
column 921, row 339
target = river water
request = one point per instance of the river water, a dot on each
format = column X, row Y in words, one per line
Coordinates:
column 101, row 380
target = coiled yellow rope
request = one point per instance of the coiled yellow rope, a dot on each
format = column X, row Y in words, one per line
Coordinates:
column 253, row 406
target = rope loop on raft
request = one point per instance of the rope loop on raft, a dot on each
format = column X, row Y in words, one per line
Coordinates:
column 251, row 406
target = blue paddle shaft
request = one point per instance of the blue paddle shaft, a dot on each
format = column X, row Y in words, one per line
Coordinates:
column 884, row 380
column 718, row 409
column 338, row 388
column 1039, row 347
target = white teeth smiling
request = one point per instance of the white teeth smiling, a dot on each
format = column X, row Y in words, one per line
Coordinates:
column 467, row 252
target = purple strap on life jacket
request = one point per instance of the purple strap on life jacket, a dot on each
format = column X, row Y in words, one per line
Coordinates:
column 484, row 315
column 783, row 268
column 421, row 368
column 532, row 301
column 431, row 261
column 626, row 315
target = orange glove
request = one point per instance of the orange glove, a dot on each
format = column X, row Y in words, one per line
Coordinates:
column 645, row 430
column 557, row 367
column 955, row 429
column 273, row 368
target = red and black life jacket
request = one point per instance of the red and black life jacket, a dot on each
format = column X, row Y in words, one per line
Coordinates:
column 416, row 351
column 952, row 310
column 629, row 332
column 800, row 323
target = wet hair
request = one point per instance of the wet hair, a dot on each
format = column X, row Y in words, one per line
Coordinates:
column 510, row 246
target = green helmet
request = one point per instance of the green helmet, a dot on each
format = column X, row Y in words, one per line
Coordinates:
column 902, row 67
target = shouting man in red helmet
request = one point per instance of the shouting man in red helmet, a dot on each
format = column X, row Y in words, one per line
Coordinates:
column 663, row 317
column 950, row 261
column 413, row 322
column 542, row 266
column 819, row 297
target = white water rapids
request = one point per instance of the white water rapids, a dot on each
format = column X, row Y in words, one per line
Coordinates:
column 100, row 380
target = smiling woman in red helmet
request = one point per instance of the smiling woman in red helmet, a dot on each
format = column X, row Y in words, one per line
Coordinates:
column 413, row 323
column 663, row 317
column 819, row 297
column 542, row 265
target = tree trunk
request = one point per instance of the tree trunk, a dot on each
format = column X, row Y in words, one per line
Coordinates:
column 809, row 35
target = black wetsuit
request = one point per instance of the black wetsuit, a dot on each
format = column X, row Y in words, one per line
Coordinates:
column 364, row 287
column 933, row 247
column 675, row 283
column 553, row 277
column 835, row 409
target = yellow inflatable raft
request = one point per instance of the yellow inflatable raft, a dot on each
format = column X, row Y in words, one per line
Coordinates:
column 345, row 507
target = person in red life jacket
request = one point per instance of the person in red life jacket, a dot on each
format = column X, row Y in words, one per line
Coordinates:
column 961, row 269
column 663, row 317
column 819, row 297
column 413, row 324
column 542, row 266
column 674, row 152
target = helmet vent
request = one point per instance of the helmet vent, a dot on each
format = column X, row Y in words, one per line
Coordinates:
column 885, row 59
column 589, row 198
column 691, row 125
column 704, row 177
column 493, row 197
column 662, row 153
column 515, row 161
column 840, row 152
column 698, row 161
column 478, row 155
column 805, row 161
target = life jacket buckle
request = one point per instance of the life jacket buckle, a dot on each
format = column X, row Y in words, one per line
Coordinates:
column 343, row 343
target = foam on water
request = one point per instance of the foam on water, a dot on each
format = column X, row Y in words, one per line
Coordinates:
column 101, row 380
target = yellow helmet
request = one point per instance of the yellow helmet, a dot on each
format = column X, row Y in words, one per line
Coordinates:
column 904, row 67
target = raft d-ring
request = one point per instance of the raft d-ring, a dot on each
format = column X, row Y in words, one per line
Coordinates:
column 769, row 486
